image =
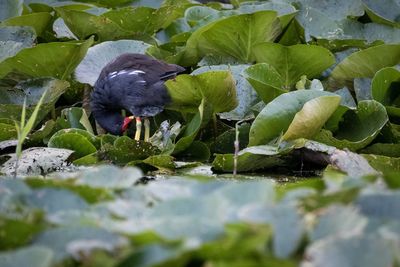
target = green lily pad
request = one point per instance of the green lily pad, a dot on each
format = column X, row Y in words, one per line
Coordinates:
column 216, row 87
column 262, row 26
column 389, row 150
column 15, row 38
column 358, row 129
column 292, row 62
column 38, row 21
column 200, row 119
column 77, row 140
column 367, row 62
column 7, row 132
column 385, row 12
column 358, row 250
column 310, row 119
column 276, row 117
column 71, row 241
column 250, row 159
column 161, row 162
column 109, row 177
column 12, row 99
column 99, row 55
column 382, row 163
column 386, row 89
column 56, row 60
column 77, row 118
column 10, row 8
column 267, row 82
column 125, row 150
column 34, row 256
column 246, row 97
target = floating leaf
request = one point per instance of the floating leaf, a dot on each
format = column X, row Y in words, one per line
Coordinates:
column 216, row 87
column 385, row 89
column 12, row 99
column 38, row 21
column 310, row 119
column 99, row 55
column 277, row 115
column 292, row 62
column 13, row 39
column 267, row 82
column 358, row 128
column 367, row 62
column 80, row 141
column 244, row 31
column 246, row 97
column 34, row 256
column 10, row 8
column 50, row 59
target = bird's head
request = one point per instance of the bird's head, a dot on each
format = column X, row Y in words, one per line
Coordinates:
column 127, row 121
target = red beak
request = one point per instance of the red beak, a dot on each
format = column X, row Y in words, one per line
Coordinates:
column 126, row 123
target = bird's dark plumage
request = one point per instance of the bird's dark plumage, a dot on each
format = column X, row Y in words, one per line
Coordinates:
column 133, row 82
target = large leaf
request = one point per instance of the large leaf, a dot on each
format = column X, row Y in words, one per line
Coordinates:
column 246, row 97
column 35, row 256
column 12, row 99
column 267, row 82
column 99, row 55
column 386, row 11
column 13, row 39
column 367, row 62
column 386, row 89
column 10, row 8
column 278, row 114
column 83, row 25
column 249, row 159
column 310, row 119
column 216, row 87
column 358, row 128
column 51, row 59
column 291, row 62
column 234, row 36
column 39, row 21
column 77, row 140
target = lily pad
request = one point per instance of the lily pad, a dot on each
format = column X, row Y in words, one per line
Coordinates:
column 385, row 12
column 292, row 62
column 80, row 141
column 276, row 117
column 310, row 119
column 244, row 30
column 10, row 8
column 386, row 89
column 250, row 159
column 15, row 38
column 12, row 99
column 359, row 128
column 267, row 82
column 367, row 62
column 99, row 55
column 56, row 60
column 216, row 87
column 38, row 21
column 246, row 97
column 34, row 256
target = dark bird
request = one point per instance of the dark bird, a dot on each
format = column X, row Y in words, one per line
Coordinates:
column 135, row 83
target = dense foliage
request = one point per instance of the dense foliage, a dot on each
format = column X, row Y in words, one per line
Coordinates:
column 304, row 88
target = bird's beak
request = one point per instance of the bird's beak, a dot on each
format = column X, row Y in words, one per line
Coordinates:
column 126, row 123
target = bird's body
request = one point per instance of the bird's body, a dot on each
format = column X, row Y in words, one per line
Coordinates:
column 133, row 82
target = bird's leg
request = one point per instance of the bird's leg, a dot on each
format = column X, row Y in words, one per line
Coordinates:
column 146, row 129
column 138, row 128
